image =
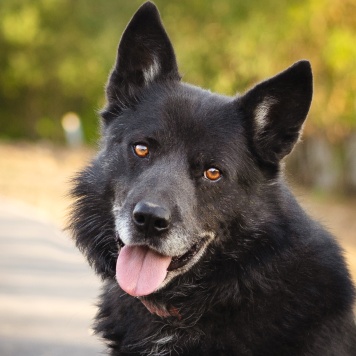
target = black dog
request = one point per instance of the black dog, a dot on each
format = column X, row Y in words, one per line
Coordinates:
column 185, row 216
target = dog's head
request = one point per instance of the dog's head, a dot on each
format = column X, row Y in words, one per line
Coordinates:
column 179, row 164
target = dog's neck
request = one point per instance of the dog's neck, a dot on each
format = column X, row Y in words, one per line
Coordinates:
column 163, row 311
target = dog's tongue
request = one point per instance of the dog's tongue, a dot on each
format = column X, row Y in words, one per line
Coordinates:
column 140, row 270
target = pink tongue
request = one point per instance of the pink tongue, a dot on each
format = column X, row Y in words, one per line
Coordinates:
column 140, row 270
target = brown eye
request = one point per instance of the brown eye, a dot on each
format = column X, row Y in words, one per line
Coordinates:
column 141, row 150
column 212, row 174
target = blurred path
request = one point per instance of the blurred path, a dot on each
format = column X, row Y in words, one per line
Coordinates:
column 47, row 292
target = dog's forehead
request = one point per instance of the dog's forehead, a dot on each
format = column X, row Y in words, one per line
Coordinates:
column 187, row 112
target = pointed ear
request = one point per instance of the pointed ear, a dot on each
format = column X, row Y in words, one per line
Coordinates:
column 276, row 109
column 145, row 55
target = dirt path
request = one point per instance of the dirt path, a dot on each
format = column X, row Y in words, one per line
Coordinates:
column 47, row 291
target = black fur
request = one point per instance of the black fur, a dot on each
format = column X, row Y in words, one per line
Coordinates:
column 271, row 281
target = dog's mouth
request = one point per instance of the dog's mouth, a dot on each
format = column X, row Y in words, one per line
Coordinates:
column 141, row 270
column 180, row 261
column 177, row 261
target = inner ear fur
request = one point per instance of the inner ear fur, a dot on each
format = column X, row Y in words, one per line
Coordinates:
column 275, row 109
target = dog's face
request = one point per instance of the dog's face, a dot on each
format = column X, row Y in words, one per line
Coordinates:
column 174, row 161
column 177, row 163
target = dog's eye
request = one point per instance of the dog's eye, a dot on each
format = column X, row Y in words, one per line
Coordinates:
column 141, row 150
column 212, row 174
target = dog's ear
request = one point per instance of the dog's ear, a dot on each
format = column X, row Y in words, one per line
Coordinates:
column 145, row 55
column 275, row 110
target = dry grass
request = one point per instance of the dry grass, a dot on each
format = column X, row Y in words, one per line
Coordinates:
column 39, row 175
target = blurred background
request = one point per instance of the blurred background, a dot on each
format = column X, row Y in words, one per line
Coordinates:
column 55, row 56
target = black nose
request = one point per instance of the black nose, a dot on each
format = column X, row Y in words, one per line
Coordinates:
column 151, row 218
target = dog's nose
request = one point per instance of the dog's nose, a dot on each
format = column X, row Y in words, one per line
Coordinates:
column 151, row 218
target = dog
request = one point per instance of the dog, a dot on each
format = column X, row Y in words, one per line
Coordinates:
column 185, row 215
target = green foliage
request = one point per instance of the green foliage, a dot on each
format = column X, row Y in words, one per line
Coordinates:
column 55, row 55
